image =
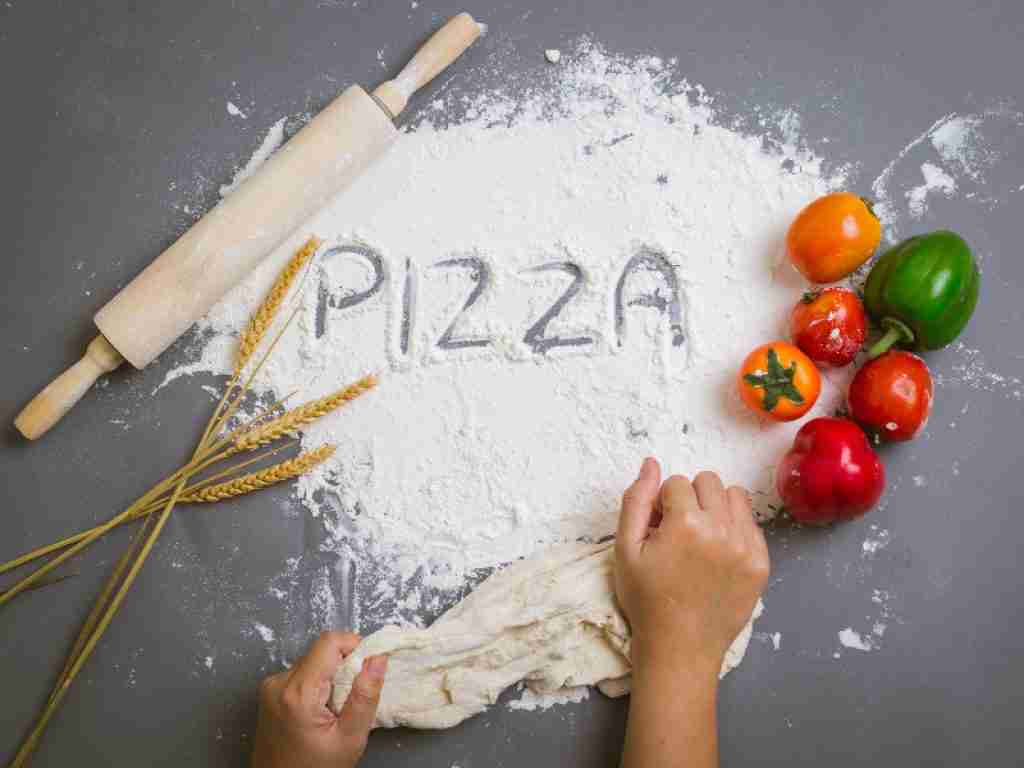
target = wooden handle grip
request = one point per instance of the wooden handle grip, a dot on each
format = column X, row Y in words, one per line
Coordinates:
column 47, row 408
column 443, row 47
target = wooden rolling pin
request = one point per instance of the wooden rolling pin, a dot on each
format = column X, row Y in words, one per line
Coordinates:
column 225, row 245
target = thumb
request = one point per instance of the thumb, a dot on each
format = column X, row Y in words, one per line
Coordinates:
column 360, row 709
column 639, row 507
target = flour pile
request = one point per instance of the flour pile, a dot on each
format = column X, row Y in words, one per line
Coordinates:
column 553, row 288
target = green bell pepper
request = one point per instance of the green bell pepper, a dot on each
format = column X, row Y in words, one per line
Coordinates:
column 922, row 291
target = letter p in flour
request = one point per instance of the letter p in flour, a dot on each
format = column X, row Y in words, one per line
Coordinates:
column 327, row 297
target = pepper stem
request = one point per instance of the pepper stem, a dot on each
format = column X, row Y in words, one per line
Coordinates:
column 896, row 332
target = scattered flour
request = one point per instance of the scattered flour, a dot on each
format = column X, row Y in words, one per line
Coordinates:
column 970, row 369
column 273, row 140
column 265, row 632
column 850, row 639
column 552, row 289
column 877, row 539
column 958, row 139
column 531, row 701
column 935, row 179
column 553, row 55
column 961, row 155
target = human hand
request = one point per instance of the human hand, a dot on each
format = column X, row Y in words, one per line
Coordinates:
column 297, row 729
column 690, row 566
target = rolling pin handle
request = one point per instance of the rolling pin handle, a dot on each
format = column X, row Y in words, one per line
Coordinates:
column 50, row 405
column 443, row 47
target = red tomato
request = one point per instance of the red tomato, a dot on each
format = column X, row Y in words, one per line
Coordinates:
column 829, row 326
column 830, row 474
column 892, row 395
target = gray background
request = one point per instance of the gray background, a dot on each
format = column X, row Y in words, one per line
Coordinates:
column 114, row 120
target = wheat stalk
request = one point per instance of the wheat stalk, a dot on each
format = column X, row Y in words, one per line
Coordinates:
column 290, row 421
column 254, row 481
column 253, row 335
column 175, row 488
column 264, row 315
column 138, row 513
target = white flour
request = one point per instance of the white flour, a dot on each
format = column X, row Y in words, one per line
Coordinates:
column 967, row 156
column 530, row 701
column 935, row 180
column 270, row 143
column 492, row 449
column 850, row 639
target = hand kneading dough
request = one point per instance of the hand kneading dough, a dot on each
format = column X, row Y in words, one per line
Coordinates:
column 551, row 621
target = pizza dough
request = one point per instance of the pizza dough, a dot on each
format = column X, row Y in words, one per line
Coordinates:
column 551, row 621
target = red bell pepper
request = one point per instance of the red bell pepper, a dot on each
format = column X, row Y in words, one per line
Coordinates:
column 830, row 474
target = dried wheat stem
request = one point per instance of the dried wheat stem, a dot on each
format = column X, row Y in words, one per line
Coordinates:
column 254, row 481
column 290, row 421
column 110, row 608
column 155, row 492
column 264, row 315
column 139, row 512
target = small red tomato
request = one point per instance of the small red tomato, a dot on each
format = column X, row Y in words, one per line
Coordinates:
column 829, row 326
column 830, row 474
column 892, row 395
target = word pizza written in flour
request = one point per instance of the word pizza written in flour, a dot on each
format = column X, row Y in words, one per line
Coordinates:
column 647, row 280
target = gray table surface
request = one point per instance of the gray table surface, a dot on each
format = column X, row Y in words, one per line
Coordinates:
column 114, row 119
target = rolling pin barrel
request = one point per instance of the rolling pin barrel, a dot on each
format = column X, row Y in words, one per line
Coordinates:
column 223, row 247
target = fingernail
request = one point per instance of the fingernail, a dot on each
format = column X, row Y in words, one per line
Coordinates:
column 376, row 666
column 643, row 467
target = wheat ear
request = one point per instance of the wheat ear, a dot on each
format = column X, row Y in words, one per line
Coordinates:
column 254, row 333
column 264, row 315
column 254, row 481
column 290, row 421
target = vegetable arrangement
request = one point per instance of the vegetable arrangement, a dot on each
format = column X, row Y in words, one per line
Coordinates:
column 920, row 294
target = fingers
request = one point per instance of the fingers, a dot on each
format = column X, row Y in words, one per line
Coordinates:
column 639, row 503
column 309, row 685
column 271, row 688
column 757, row 547
column 679, row 501
column 739, row 506
column 710, row 493
column 357, row 715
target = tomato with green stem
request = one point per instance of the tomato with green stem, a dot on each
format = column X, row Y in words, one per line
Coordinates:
column 779, row 381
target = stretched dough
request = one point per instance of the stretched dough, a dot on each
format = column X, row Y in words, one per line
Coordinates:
column 551, row 621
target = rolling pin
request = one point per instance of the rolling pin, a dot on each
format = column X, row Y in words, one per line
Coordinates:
column 224, row 246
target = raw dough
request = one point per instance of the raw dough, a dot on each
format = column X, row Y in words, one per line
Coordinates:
column 551, row 621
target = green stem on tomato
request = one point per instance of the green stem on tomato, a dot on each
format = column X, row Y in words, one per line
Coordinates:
column 896, row 332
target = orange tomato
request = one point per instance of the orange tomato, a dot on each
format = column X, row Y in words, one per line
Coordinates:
column 833, row 236
column 779, row 381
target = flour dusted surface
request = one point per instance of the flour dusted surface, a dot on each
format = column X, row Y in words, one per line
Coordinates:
column 622, row 250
